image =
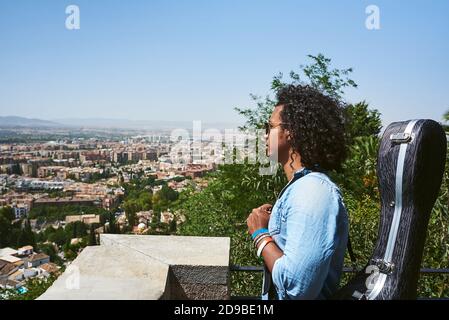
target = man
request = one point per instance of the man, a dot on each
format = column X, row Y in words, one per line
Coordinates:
column 303, row 237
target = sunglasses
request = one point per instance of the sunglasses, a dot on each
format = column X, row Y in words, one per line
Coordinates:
column 268, row 126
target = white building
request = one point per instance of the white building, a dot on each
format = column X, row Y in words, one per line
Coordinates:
column 29, row 273
column 7, row 252
column 25, row 251
column 37, row 259
column 12, row 259
column 18, row 275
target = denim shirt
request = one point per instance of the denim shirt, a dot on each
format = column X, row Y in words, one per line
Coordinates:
column 309, row 223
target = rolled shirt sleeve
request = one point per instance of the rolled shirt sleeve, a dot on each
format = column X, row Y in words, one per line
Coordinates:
column 311, row 218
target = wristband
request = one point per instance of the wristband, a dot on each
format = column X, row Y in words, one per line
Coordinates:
column 257, row 232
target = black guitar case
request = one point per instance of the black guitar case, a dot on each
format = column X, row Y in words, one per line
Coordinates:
column 410, row 168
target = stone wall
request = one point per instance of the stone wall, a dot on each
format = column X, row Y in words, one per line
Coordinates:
column 147, row 267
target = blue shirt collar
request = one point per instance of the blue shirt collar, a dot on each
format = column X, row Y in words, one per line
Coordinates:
column 301, row 172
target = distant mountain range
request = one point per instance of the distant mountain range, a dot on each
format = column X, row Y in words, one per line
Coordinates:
column 14, row 121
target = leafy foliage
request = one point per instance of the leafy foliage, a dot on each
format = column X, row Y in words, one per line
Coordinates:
column 14, row 233
column 362, row 121
column 317, row 74
column 359, row 175
column 35, row 286
column 332, row 81
column 54, row 213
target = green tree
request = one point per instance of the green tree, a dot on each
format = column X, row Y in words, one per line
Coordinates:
column 445, row 121
column 362, row 121
column 131, row 207
column 5, row 231
column 77, row 229
column 92, row 236
column 59, row 236
column 359, row 174
column 321, row 76
column 50, row 250
column 168, row 194
column 172, row 226
column 112, row 224
column 26, row 236
column 164, row 198
column 8, row 213
column 317, row 74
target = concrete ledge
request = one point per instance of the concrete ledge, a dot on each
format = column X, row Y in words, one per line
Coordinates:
column 175, row 250
column 147, row 267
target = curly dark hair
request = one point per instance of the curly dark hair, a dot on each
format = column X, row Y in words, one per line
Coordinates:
column 317, row 126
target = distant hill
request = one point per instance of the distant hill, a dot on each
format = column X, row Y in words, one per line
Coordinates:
column 140, row 124
column 13, row 121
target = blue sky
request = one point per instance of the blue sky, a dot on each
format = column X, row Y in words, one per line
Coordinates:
column 197, row 60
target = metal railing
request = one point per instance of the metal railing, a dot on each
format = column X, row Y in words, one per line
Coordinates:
column 235, row 268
